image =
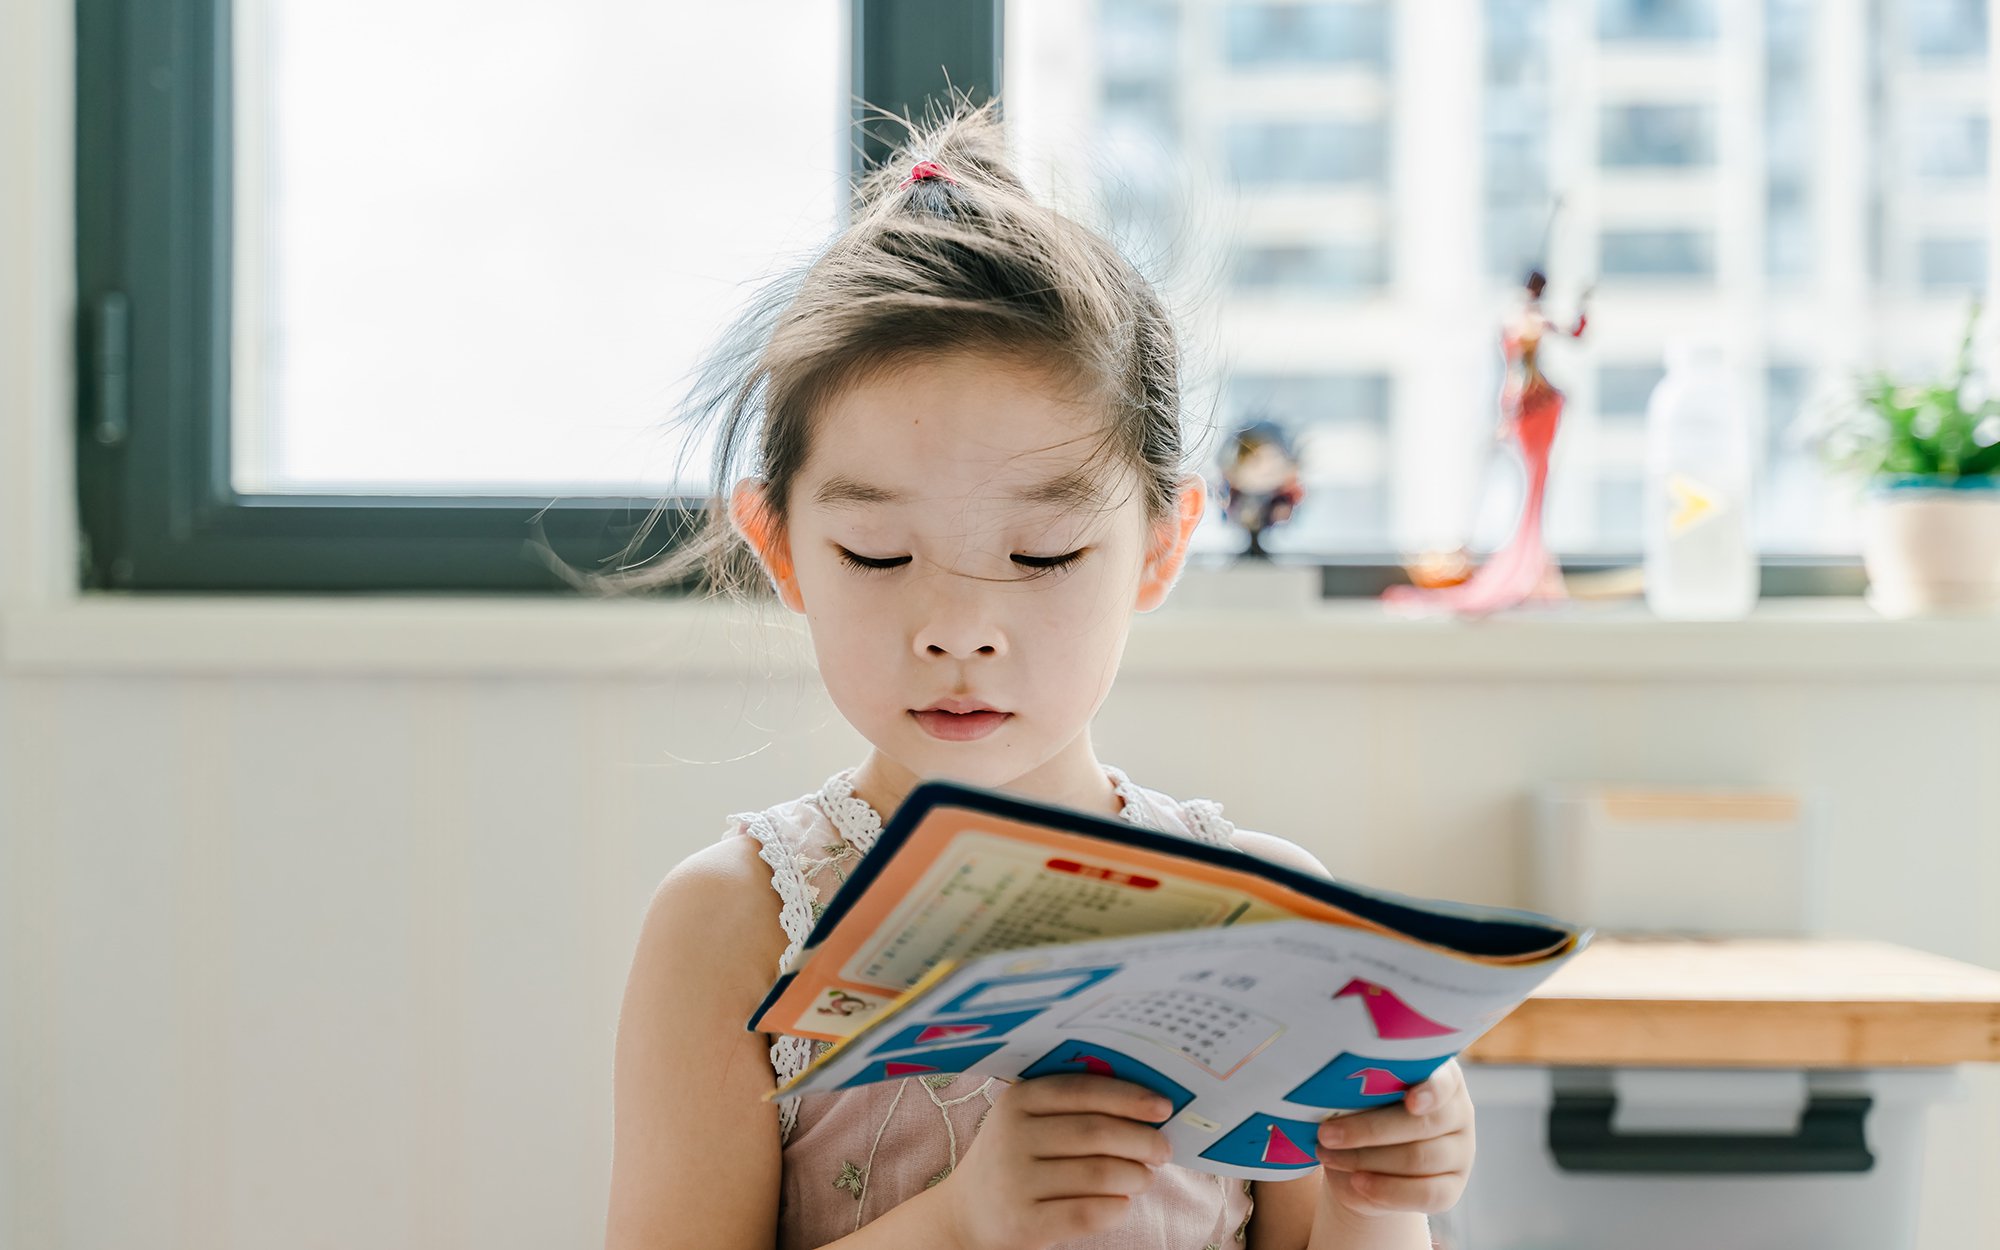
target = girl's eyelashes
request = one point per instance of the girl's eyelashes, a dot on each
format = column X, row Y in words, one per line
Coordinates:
column 1040, row 566
column 867, row 565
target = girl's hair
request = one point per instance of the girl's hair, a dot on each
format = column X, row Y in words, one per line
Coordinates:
column 967, row 261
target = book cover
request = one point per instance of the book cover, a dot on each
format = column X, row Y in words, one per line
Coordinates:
column 990, row 934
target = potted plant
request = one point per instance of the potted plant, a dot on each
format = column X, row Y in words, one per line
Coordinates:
column 1930, row 455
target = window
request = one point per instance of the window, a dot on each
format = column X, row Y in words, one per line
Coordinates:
column 1845, row 233
column 1657, row 254
column 1353, row 189
column 1322, row 269
column 491, row 289
column 1951, row 146
column 1668, row 135
column 1948, row 29
column 1305, row 34
column 1622, row 20
column 1351, row 398
column 1952, row 265
column 1514, row 147
column 351, row 321
column 1312, row 150
column 1789, row 234
column 1623, row 391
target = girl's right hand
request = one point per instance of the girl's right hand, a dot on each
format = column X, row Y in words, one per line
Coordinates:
column 1057, row 1157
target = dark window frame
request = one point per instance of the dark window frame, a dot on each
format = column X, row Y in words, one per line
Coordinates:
column 156, row 509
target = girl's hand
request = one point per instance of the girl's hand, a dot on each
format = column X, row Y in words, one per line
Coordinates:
column 1058, row 1157
column 1409, row 1156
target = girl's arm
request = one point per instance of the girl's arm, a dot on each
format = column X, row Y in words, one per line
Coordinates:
column 695, row 1154
column 696, row 1162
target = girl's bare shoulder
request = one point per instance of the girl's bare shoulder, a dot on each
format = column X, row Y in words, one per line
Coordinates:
column 1278, row 850
column 722, row 895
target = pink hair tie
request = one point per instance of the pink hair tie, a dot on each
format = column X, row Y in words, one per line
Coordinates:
column 927, row 169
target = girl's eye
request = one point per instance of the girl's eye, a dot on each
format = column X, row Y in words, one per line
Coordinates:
column 1041, row 565
column 867, row 565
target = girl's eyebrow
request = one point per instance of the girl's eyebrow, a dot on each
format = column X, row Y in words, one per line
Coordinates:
column 1073, row 489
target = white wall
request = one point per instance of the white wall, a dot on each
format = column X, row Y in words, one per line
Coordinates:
column 343, row 954
column 312, row 928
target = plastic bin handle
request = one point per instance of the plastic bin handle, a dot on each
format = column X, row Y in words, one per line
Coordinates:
column 1829, row 1139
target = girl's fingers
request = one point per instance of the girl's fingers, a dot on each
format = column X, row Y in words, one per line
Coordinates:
column 1444, row 1085
column 1083, row 1134
column 1428, row 1194
column 1087, row 1177
column 1384, row 1126
column 1391, row 1125
column 1432, row 1156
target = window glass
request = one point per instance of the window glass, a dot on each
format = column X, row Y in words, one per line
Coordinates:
column 494, row 278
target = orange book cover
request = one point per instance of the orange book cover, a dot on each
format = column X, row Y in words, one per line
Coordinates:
column 960, row 872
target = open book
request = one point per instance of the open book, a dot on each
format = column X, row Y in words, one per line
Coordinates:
column 994, row 935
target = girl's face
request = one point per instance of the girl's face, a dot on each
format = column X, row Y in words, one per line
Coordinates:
column 939, row 551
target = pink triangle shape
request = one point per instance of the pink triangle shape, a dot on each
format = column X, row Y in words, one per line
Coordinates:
column 945, row 1032
column 1092, row 1064
column 1378, row 1081
column 892, row 1068
column 1282, row 1149
column 1392, row 1017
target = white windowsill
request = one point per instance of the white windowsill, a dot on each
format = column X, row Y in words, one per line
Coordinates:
column 527, row 636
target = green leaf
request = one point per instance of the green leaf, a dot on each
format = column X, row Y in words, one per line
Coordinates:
column 851, row 1178
column 1907, row 457
column 1982, row 461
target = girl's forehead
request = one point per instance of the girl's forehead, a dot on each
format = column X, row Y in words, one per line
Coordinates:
column 962, row 404
column 960, row 427
column 1084, row 482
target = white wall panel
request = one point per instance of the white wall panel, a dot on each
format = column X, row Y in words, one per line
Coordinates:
column 336, row 960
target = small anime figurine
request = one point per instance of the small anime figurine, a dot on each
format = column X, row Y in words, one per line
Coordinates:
column 1260, row 482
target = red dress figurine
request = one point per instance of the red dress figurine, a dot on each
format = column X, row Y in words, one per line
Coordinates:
column 1531, row 409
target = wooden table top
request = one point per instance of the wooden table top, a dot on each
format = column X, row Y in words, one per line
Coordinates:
column 1808, row 1002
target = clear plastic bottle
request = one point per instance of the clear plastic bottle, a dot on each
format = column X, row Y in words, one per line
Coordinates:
column 1700, row 562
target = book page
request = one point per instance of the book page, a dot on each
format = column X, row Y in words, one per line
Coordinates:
column 988, row 893
column 1256, row 1033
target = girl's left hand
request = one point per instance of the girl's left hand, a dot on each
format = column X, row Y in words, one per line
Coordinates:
column 1409, row 1156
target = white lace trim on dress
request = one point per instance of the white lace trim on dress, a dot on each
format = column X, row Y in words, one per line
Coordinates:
column 789, row 1055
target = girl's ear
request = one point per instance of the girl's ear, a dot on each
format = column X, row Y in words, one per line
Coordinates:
column 750, row 512
column 1168, row 554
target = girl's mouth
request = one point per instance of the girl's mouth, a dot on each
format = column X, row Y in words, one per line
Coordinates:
column 960, row 727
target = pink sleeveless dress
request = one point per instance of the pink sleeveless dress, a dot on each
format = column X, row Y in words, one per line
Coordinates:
column 851, row 1155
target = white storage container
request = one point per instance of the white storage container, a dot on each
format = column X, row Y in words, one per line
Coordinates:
column 1694, row 1159
column 1642, row 859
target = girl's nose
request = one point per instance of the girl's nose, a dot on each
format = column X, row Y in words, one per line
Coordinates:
column 960, row 627
column 960, row 615
column 959, row 641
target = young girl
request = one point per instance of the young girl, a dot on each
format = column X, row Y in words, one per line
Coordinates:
column 968, row 476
